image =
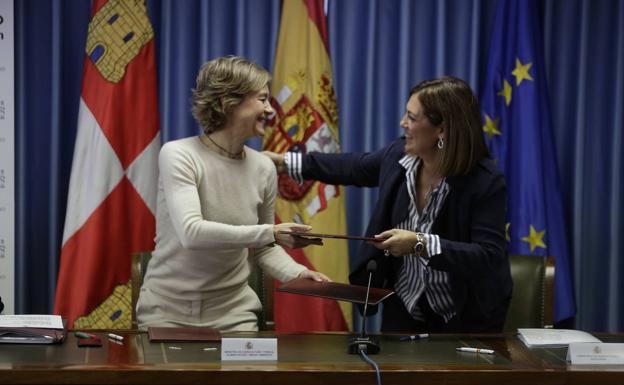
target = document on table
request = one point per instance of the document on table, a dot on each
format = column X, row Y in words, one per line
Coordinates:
column 31, row 329
column 41, row 321
column 553, row 338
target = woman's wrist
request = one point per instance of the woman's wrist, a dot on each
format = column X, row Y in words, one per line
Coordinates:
column 420, row 248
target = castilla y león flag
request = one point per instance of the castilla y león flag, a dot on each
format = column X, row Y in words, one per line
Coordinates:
column 112, row 191
column 306, row 120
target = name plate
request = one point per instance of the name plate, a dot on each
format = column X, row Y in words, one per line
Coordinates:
column 249, row 349
column 596, row 354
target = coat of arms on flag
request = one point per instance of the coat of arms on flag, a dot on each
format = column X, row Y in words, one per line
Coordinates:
column 306, row 120
column 305, row 126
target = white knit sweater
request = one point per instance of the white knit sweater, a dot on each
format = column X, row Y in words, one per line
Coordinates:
column 213, row 213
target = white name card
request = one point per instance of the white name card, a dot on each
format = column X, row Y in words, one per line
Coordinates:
column 596, row 354
column 249, row 349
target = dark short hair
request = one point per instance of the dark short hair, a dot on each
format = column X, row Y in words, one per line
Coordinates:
column 449, row 101
column 223, row 83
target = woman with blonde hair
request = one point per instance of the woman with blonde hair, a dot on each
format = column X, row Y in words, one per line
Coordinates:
column 215, row 210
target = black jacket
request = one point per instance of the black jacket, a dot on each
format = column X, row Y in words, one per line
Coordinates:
column 471, row 226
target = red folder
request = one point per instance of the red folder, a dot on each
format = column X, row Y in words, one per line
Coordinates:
column 333, row 290
column 183, row 334
column 335, row 236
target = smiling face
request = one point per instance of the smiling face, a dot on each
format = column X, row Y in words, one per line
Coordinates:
column 224, row 90
column 420, row 135
column 251, row 115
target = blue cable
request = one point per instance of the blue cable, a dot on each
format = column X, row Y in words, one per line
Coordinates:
column 373, row 364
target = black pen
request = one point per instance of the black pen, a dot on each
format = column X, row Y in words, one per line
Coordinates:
column 414, row 337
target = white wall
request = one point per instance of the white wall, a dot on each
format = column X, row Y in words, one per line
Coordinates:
column 7, row 157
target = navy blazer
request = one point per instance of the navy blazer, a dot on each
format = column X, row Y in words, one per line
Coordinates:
column 471, row 226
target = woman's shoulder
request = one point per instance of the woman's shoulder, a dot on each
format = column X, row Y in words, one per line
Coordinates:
column 262, row 161
column 183, row 143
column 179, row 147
column 260, row 165
column 488, row 166
column 392, row 152
column 397, row 147
column 183, row 151
column 486, row 172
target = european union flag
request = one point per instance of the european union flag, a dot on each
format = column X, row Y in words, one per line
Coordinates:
column 517, row 128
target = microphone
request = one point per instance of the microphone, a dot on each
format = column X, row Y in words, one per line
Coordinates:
column 365, row 343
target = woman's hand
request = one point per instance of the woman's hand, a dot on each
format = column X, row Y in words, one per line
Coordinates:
column 278, row 160
column 294, row 241
column 397, row 242
column 315, row 275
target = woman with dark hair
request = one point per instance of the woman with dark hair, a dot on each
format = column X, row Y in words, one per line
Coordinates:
column 215, row 210
column 440, row 214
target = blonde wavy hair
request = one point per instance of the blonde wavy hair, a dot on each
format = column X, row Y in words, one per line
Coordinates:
column 222, row 84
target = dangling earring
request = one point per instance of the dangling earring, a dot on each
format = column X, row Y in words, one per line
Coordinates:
column 440, row 143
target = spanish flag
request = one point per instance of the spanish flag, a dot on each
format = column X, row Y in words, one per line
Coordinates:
column 306, row 120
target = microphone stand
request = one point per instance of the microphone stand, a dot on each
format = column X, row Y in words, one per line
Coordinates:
column 363, row 342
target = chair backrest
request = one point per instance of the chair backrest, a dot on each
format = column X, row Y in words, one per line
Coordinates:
column 137, row 273
column 532, row 299
column 259, row 282
column 262, row 284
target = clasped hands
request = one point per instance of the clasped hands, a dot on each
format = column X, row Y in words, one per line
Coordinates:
column 396, row 242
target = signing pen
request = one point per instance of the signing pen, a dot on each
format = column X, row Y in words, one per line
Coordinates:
column 475, row 350
column 115, row 337
column 414, row 337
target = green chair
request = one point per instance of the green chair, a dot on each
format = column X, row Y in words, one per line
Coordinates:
column 532, row 299
column 261, row 283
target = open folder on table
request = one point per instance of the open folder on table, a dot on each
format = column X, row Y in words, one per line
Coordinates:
column 334, row 290
column 32, row 329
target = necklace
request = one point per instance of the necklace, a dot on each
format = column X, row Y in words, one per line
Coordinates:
column 239, row 155
column 428, row 194
column 432, row 186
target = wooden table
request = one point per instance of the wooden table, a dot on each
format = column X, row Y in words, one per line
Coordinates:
column 303, row 359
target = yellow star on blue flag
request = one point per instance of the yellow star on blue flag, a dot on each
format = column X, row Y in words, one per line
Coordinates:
column 521, row 72
column 506, row 92
column 491, row 127
column 525, row 149
column 535, row 238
